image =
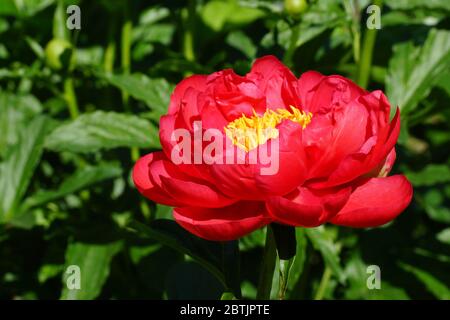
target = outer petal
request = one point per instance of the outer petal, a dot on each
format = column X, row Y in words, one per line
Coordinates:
column 307, row 207
column 376, row 202
column 347, row 135
column 158, row 179
column 306, row 87
column 360, row 163
column 197, row 82
column 332, row 92
column 223, row 224
column 145, row 185
column 276, row 81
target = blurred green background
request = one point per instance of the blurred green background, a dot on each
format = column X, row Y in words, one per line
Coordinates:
column 77, row 107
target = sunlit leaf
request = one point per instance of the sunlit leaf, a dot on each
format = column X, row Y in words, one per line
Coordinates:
column 328, row 249
column 103, row 130
column 434, row 285
column 414, row 71
column 19, row 165
column 93, row 261
column 80, row 180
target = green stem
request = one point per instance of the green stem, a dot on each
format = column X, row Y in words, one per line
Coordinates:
column 356, row 44
column 288, row 56
column 110, row 51
column 267, row 267
column 326, row 276
column 70, row 97
column 365, row 59
column 285, row 269
column 126, row 48
column 188, row 36
column 286, row 243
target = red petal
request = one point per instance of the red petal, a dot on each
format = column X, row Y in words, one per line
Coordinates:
column 161, row 181
column 223, row 224
column 346, row 136
column 283, row 171
column 145, row 185
column 333, row 91
column 197, row 82
column 364, row 161
column 306, row 87
column 376, row 202
column 308, row 207
column 276, row 82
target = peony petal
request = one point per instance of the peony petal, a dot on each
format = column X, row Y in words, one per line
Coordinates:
column 277, row 83
column 376, row 202
column 195, row 193
column 273, row 168
column 223, row 224
column 306, row 87
column 364, row 161
column 158, row 179
column 346, row 136
column 197, row 82
column 308, row 207
column 145, row 185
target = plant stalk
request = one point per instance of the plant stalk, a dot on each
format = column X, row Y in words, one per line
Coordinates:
column 125, row 48
column 71, row 98
column 365, row 59
column 267, row 267
column 288, row 56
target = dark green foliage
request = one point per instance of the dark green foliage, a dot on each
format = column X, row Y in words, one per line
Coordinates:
column 71, row 132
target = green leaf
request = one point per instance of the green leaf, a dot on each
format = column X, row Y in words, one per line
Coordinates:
column 155, row 93
column 103, row 130
column 444, row 236
column 320, row 16
column 217, row 14
column 80, row 180
column 415, row 4
column 413, row 72
column 228, row 296
column 48, row 271
column 209, row 254
column 356, row 275
column 433, row 202
column 22, row 8
column 299, row 261
column 19, row 165
column 444, row 82
column 432, row 174
column 158, row 33
column 16, row 111
column 153, row 14
column 330, row 252
column 94, row 262
column 434, row 285
column 243, row 43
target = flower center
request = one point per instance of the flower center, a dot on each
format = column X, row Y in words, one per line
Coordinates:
column 248, row 133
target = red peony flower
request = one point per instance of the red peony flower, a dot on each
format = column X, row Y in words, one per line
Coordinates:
column 331, row 143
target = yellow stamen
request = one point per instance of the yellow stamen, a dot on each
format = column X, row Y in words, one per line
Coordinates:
column 249, row 132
